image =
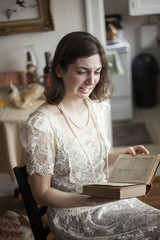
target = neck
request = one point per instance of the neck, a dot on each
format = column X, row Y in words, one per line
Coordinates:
column 78, row 114
column 73, row 106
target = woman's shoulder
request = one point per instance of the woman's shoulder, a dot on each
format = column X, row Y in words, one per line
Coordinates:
column 99, row 105
column 40, row 119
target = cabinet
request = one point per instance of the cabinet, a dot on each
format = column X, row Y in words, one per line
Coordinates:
column 144, row 7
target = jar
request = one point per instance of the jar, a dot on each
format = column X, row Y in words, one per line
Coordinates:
column 111, row 30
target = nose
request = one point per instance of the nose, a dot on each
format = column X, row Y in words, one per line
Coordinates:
column 90, row 79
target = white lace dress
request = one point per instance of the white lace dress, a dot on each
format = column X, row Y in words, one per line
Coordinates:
column 49, row 151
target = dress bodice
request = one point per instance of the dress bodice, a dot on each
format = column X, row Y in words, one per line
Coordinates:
column 48, row 150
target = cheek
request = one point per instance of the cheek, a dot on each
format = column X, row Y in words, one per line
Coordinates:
column 72, row 81
column 76, row 80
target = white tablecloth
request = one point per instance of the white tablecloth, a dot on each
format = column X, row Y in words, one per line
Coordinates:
column 11, row 118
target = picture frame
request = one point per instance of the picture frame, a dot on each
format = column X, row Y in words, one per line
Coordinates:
column 25, row 16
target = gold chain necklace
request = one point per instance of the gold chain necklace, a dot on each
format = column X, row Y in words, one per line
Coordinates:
column 88, row 119
column 98, row 134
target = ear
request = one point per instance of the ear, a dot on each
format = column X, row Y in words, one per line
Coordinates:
column 59, row 71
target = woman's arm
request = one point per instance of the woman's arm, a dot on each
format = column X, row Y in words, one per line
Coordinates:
column 44, row 194
column 140, row 149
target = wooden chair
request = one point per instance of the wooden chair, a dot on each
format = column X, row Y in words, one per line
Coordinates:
column 35, row 212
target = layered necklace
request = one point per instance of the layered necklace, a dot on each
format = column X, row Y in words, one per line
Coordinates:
column 69, row 121
column 60, row 106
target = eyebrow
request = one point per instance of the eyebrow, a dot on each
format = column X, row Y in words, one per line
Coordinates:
column 85, row 68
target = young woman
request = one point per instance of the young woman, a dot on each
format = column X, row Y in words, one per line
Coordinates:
column 66, row 146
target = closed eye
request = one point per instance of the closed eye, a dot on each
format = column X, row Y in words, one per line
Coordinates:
column 98, row 73
column 80, row 72
column 87, row 71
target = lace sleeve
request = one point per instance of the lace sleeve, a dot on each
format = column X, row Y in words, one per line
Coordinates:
column 38, row 143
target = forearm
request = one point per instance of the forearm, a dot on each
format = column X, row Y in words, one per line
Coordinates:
column 59, row 199
column 44, row 194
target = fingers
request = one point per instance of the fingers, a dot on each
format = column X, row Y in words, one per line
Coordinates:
column 139, row 149
column 131, row 151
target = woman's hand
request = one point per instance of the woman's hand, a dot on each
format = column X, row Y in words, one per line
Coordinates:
column 139, row 149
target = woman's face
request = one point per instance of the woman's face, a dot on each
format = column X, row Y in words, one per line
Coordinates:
column 81, row 77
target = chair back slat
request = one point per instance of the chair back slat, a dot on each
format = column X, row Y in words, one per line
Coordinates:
column 34, row 212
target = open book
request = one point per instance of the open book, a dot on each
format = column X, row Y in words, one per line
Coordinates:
column 130, row 177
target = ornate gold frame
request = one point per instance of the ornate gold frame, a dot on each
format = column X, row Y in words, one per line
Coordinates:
column 43, row 23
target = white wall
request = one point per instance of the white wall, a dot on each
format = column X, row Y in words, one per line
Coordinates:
column 68, row 16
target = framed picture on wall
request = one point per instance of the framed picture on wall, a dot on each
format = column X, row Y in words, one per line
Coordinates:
column 20, row 16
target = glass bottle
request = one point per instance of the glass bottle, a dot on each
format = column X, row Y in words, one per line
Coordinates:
column 31, row 65
column 31, row 69
column 47, row 70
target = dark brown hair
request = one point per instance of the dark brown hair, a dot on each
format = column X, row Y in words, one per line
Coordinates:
column 71, row 47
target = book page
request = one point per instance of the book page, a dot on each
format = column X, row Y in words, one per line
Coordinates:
column 132, row 169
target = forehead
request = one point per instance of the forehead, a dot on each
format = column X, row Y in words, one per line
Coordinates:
column 92, row 61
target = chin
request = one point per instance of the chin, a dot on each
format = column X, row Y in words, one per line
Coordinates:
column 84, row 96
